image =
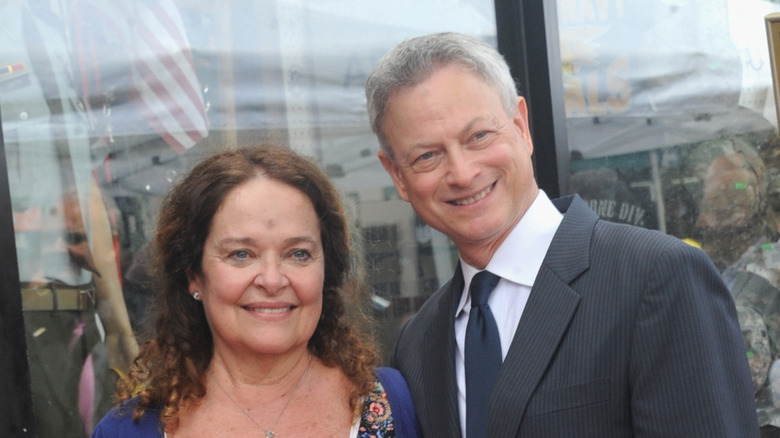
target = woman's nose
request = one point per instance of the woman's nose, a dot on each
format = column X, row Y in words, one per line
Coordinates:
column 271, row 277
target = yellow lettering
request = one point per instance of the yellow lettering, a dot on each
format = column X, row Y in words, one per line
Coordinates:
column 595, row 107
column 575, row 101
column 572, row 12
column 588, row 12
column 620, row 11
column 602, row 6
column 567, row 12
column 619, row 86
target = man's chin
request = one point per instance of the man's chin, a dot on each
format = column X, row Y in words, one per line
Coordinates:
column 726, row 245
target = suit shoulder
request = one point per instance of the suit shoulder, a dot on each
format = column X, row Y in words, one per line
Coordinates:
column 432, row 307
column 632, row 236
column 631, row 242
column 579, row 219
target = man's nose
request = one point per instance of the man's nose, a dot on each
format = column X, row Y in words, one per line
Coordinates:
column 462, row 168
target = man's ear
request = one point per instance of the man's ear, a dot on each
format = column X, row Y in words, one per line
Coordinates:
column 395, row 173
column 521, row 122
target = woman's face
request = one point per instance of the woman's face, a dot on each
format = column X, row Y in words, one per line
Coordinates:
column 263, row 270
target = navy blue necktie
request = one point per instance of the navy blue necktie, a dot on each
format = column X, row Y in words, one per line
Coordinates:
column 482, row 356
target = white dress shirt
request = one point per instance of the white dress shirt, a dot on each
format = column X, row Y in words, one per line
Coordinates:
column 517, row 261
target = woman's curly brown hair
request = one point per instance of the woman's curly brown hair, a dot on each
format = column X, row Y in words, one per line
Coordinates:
column 169, row 372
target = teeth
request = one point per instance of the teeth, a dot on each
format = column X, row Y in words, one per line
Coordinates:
column 474, row 198
column 267, row 310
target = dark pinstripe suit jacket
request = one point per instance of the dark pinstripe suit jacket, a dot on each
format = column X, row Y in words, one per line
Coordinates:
column 627, row 333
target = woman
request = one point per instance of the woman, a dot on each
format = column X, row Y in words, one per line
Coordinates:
column 252, row 338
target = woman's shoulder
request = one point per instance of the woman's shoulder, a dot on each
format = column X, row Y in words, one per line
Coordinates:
column 390, row 376
column 119, row 422
column 390, row 404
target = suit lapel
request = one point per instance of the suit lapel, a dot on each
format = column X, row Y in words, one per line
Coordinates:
column 438, row 366
column 551, row 306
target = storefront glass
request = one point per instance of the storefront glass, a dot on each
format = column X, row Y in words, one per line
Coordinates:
column 672, row 126
column 106, row 103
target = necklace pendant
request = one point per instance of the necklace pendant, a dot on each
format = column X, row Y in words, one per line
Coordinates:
column 270, row 434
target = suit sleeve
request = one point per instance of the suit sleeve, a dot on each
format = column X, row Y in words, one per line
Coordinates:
column 688, row 371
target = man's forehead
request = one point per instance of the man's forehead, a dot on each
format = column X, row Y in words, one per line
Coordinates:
column 732, row 177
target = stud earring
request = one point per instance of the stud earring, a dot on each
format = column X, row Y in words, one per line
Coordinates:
column 196, row 295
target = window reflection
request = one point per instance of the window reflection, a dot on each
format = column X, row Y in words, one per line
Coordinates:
column 135, row 91
column 75, row 319
column 671, row 125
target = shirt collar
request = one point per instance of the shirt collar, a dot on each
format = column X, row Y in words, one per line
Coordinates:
column 519, row 257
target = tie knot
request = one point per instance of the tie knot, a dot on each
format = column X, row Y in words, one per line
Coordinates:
column 481, row 286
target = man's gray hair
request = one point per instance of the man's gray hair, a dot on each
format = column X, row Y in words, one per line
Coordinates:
column 415, row 60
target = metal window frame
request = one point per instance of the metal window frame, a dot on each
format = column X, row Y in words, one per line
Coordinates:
column 16, row 403
column 527, row 33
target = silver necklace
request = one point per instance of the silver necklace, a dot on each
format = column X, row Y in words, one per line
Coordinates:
column 269, row 433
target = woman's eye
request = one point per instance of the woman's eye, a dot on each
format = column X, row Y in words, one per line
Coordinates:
column 301, row 254
column 240, row 254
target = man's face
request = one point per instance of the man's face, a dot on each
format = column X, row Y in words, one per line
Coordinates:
column 729, row 212
column 730, row 196
column 460, row 160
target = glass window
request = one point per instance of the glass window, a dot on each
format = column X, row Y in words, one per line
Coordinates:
column 672, row 126
column 106, row 103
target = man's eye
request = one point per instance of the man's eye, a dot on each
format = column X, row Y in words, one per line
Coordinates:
column 426, row 161
column 481, row 138
column 425, row 156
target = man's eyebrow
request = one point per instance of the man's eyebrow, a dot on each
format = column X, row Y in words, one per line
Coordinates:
column 468, row 127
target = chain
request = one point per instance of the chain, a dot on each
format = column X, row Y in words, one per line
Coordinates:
column 269, row 433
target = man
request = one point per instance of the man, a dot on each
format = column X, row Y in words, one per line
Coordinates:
column 605, row 329
column 739, row 231
column 735, row 212
column 76, row 323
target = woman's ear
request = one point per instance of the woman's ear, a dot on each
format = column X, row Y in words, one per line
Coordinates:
column 195, row 283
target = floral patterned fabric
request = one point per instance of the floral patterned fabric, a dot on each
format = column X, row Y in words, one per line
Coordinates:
column 377, row 418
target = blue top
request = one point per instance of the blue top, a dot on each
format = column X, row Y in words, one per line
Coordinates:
column 391, row 386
